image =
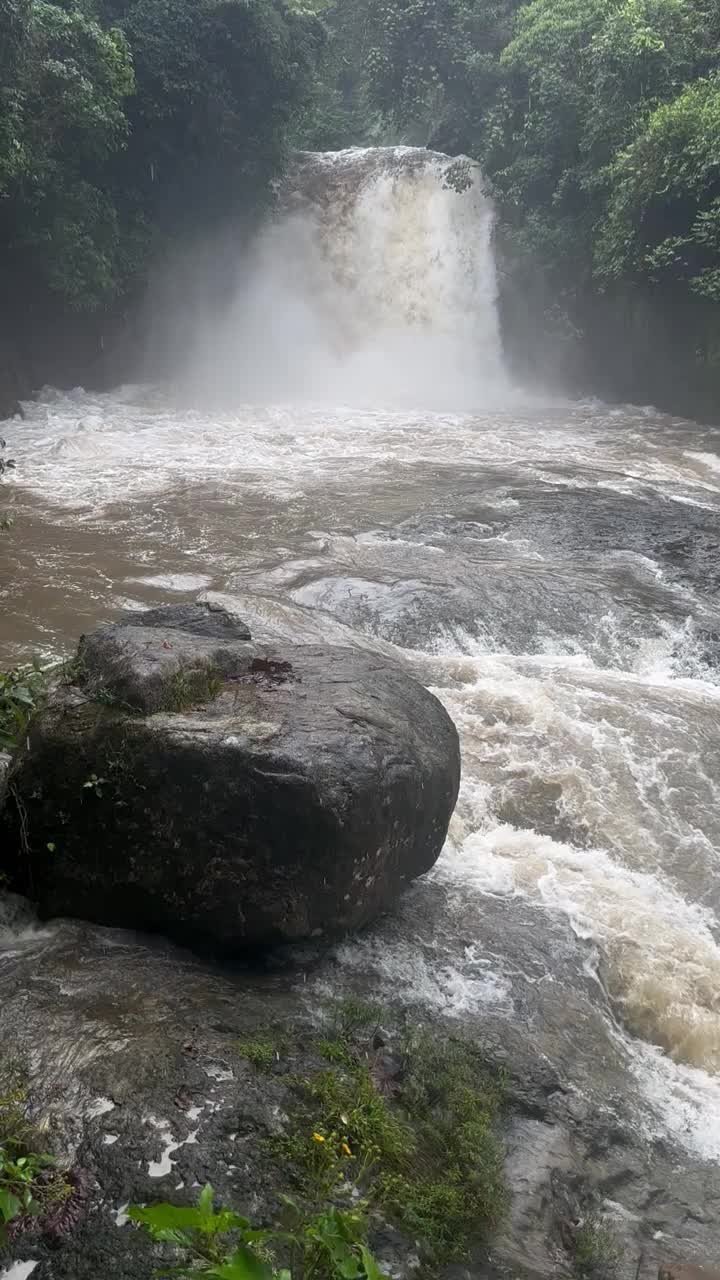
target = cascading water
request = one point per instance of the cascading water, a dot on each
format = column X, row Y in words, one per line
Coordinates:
column 375, row 284
column 550, row 569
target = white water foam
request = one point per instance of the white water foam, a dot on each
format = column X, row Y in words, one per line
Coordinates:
column 85, row 450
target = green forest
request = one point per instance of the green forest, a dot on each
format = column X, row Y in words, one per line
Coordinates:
column 127, row 125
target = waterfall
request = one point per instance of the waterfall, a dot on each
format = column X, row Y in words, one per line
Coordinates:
column 374, row 284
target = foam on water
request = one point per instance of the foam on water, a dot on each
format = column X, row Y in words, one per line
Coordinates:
column 617, row 766
column 81, row 449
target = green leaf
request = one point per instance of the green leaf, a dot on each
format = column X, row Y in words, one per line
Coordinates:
column 164, row 1215
column 22, row 694
column 333, row 1233
column 175, row 1224
column 10, row 1206
column 222, row 1221
column 205, row 1200
column 171, row 1223
column 370, row 1266
column 242, row 1265
column 345, row 1263
column 261, row 1237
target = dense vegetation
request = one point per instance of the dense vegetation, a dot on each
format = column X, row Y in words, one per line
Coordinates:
column 127, row 125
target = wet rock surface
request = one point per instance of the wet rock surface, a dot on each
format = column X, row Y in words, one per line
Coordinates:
column 688, row 1272
column 600, row 572
column 134, row 1056
column 276, row 620
column 225, row 792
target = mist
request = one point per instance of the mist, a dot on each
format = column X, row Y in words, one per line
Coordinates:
column 374, row 283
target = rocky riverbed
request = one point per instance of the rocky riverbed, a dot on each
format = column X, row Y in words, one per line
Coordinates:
column 135, row 1057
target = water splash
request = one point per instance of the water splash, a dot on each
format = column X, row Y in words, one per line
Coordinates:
column 376, row 285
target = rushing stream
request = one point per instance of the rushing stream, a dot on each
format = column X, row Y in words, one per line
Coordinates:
column 549, row 568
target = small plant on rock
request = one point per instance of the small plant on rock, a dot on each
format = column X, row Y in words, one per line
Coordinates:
column 260, row 1052
column 374, row 1136
column 22, row 1183
column 30, row 1181
column 222, row 1245
column 597, row 1254
column 411, row 1134
column 216, row 1242
column 354, row 1015
column 21, row 691
column 332, row 1244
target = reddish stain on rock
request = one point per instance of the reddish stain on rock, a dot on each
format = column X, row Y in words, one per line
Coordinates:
column 687, row 1271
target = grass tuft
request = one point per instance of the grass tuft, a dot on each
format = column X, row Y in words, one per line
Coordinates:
column 260, row 1052
column 597, row 1254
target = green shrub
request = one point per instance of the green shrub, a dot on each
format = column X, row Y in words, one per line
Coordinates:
column 456, row 1190
column 260, row 1052
column 353, row 1015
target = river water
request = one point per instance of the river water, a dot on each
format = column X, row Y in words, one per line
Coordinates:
column 549, row 568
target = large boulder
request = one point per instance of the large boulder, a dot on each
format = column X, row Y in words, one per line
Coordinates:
column 188, row 780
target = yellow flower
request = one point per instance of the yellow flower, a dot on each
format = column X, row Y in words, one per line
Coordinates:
column 317, row 1137
column 345, row 1149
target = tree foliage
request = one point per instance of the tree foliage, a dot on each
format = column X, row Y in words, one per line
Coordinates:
column 586, row 78
column 664, row 208
column 125, row 123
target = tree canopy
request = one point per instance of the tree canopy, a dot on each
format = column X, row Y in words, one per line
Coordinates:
column 125, row 123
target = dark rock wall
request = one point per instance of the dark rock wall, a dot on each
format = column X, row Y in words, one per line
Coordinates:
column 628, row 345
column 42, row 343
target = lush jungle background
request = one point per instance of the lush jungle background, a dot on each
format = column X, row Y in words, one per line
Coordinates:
column 131, row 127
